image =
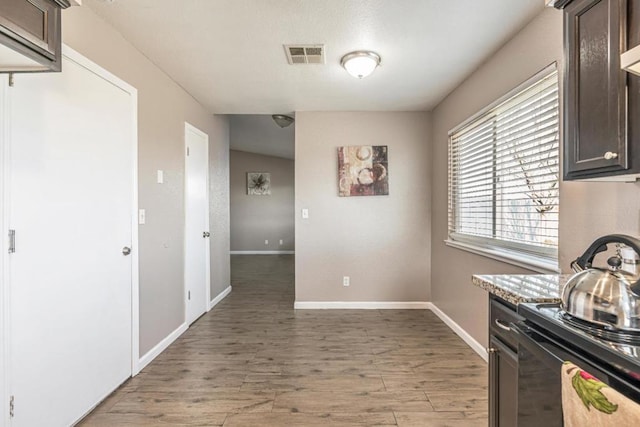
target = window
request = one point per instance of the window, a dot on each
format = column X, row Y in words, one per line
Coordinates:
column 503, row 174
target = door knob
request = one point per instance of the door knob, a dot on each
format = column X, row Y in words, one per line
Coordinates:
column 126, row 251
column 206, row 234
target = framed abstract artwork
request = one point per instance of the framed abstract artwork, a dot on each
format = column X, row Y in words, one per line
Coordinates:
column 363, row 171
column 258, row 183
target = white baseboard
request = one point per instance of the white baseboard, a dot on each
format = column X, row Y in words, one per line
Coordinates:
column 471, row 342
column 161, row 346
column 262, row 252
column 360, row 305
column 219, row 298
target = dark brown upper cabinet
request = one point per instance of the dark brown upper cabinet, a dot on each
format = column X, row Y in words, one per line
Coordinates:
column 596, row 143
column 595, row 115
column 30, row 35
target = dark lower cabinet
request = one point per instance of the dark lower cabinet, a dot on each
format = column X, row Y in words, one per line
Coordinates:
column 31, row 29
column 503, row 388
column 503, row 364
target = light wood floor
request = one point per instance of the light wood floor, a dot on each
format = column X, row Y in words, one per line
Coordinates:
column 254, row 361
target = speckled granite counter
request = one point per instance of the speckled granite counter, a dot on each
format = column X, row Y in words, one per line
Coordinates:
column 518, row 288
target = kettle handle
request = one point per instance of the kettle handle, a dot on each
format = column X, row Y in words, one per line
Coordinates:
column 600, row 245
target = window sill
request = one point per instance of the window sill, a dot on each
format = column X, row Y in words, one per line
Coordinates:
column 510, row 257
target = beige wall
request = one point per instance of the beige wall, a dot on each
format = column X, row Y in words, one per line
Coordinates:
column 381, row 242
column 163, row 107
column 219, row 221
column 255, row 219
column 587, row 210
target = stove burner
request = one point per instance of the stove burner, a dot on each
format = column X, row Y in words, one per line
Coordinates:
column 609, row 334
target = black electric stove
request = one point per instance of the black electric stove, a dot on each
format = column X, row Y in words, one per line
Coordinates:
column 548, row 337
column 620, row 350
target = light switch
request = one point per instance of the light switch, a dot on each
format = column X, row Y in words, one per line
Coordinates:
column 305, row 213
column 142, row 216
column 160, row 176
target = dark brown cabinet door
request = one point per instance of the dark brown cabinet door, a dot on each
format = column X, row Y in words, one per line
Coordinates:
column 503, row 385
column 32, row 28
column 595, row 127
column 633, row 87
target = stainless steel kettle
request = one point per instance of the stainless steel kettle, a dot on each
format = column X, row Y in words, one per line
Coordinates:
column 609, row 297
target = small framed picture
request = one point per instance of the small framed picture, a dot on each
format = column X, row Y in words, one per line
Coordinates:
column 258, row 183
column 363, row 171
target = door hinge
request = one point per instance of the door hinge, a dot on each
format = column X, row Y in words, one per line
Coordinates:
column 11, row 82
column 12, row 241
column 11, row 407
column 187, row 151
column 189, row 295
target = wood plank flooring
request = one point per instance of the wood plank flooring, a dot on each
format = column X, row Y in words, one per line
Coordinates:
column 254, row 361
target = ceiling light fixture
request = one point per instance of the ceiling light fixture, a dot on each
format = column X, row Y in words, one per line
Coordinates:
column 282, row 120
column 360, row 63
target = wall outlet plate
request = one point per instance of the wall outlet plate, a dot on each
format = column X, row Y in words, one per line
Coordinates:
column 346, row 281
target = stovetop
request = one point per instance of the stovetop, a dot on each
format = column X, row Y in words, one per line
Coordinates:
column 599, row 331
column 617, row 350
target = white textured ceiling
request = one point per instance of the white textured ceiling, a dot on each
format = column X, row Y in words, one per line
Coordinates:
column 228, row 53
column 258, row 133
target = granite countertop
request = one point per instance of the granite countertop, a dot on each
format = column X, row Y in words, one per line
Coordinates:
column 519, row 288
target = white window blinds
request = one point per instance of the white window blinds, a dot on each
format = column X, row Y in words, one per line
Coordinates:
column 503, row 172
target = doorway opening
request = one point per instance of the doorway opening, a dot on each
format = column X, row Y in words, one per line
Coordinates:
column 262, row 190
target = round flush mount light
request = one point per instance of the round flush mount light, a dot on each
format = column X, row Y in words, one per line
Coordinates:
column 360, row 63
column 282, row 120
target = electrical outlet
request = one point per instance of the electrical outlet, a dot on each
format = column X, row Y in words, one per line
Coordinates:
column 346, row 281
column 305, row 213
column 266, row 242
column 142, row 216
column 281, row 242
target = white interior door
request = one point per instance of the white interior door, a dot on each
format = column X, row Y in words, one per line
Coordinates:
column 71, row 203
column 196, row 223
column 4, row 255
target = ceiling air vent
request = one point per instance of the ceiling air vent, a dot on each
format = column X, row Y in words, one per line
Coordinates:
column 304, row 53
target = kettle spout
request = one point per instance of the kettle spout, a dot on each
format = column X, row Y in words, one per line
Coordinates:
column 575, row 266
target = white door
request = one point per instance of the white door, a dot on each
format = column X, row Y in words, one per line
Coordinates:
column 196, row 223
column 71, row 201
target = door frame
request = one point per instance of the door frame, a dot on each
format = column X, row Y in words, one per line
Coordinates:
column 188, row 127
column 5, row 156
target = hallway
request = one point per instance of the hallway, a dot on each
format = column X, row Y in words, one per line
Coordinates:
column 254, row 361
